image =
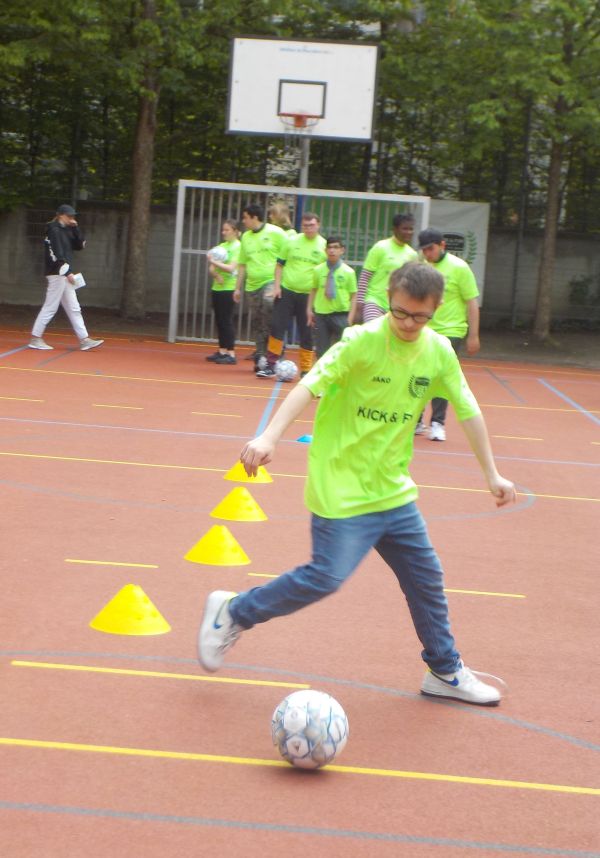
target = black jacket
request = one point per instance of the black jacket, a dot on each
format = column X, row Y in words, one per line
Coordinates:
column 59, row 244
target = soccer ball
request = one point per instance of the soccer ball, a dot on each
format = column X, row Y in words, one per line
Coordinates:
column 217, row 254
column 286, row 370
column 309, row 729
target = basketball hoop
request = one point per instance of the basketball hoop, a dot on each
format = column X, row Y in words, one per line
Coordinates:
column 299, row 122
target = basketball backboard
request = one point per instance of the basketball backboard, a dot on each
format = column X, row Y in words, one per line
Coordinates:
column 331, row 81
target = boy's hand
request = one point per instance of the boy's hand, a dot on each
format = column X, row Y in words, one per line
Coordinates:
column 255, row 453
column 503, row 490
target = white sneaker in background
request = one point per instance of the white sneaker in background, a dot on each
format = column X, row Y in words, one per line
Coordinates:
column 38, row 343
column 89, row 343
column 437, row 432
column 420, row 428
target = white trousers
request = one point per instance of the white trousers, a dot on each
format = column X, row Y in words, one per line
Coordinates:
column 60, row 291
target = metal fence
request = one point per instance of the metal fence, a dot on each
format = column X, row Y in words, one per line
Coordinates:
column 361, row 219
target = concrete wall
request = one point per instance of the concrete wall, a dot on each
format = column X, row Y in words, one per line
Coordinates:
column 102, row 262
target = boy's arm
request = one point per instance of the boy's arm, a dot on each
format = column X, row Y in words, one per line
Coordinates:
column 239, row 283
column 260, row 450
column 352, row 310
column 310, row 316
column 477, row 435
column 473, row 345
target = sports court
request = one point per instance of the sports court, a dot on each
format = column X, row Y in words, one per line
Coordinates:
column 111, row 463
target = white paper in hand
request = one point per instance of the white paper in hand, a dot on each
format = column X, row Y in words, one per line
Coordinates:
column 79, row 281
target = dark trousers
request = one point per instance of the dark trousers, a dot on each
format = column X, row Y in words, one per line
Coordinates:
column 223, row 305
column 439, row 406
column 291, row 305
column 328, row 330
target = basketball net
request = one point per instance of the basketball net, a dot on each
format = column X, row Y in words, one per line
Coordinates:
column 295, row 127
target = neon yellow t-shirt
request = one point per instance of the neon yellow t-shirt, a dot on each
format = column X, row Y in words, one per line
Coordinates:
column 259, row 253
column 345, row 286
column 450, row 318
column 300, row 255
column 229, row 278
column 384, row 257
column 373, row 388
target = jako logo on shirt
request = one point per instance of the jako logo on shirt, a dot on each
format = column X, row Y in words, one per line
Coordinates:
column 418, row 385
column 382, row 379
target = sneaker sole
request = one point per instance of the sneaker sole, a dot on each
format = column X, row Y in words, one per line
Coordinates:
column 42, row 348
column 89, row 348
column 460, row 699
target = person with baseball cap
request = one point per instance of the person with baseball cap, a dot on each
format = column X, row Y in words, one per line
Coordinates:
column 63, row 236
column 456, row 318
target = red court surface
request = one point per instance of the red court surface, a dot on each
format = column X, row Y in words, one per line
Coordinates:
column 111, row 462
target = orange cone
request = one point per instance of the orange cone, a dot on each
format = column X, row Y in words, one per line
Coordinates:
column 130, row 612
column 237, row 474
column 239, row 505
column 218, row 547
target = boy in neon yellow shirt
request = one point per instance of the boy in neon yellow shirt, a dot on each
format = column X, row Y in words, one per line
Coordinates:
column 457, row 316
column 372, row 386
column 384, row 257
column 332, row 301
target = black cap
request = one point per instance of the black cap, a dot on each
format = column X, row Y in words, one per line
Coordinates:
column 66, row 209
column 430, row 236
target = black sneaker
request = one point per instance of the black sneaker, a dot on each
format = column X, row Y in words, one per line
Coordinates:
column 226, row 359
column 267, row 372
column 214, row 357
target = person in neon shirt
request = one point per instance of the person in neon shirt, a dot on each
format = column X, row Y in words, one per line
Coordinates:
column 372, row 387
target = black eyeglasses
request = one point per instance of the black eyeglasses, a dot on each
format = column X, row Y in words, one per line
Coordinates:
column 418, row 318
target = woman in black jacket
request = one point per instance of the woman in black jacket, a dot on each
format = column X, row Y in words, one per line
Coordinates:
column 63, row 236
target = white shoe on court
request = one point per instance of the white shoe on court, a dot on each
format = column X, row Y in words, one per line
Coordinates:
column 437, row 432
column 218, row 632
column 88, row 343
column 462, row 685
column 420, row 428
column 39, row 343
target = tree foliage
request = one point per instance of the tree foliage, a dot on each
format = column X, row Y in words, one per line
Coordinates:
column 495, row 100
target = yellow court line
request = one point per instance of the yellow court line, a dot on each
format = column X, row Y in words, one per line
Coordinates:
column 124, row 407
column 517, row 437
column 539, row 370
column 537, row 495
column 227, row 680
column 446, row 589
column 253, row 761
column 536, row 408
column 105, row 376
column 252, row 395
column 111, row 563
column 214, row 414
column 22, row 399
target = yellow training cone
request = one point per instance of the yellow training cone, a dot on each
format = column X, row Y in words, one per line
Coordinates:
column 130, row 612
column 218, row 547
column 237, row 474
column 239, row 505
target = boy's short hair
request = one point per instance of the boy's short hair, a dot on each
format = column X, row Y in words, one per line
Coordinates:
column 419, row 280
column 335, row 239
column 254, row 210
column 311, row 216
column 399, row 219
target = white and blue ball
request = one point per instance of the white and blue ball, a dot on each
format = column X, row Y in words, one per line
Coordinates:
column 217, row 254
column 309, row 728
column 286, row 370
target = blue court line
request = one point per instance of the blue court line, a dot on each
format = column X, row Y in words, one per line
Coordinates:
column 570, row 401
column 505, row 385
column 13, row 351
column 312, row 678
column 282, row 828
column 268, row 409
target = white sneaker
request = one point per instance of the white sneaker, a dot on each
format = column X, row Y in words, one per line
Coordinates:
column 89, row 343
column 38, row 343
column 437, row 432
column 218, row 632
column 420, row 428
column 462, row 685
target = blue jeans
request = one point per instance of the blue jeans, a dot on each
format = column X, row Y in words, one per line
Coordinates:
column 339, row 544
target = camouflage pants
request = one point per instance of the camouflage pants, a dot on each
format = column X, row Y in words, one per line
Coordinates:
column 260, row 304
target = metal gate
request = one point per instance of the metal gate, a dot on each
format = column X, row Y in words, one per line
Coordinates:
column 361, row 219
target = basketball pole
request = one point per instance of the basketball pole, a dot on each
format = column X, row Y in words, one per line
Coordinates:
column 304, row 161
